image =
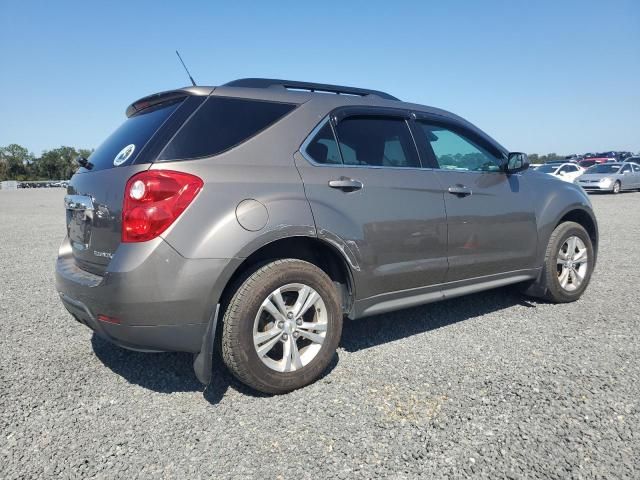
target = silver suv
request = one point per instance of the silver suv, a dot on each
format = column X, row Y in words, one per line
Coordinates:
column 258, row 214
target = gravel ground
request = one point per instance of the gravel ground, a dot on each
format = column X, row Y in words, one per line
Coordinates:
column 489, row 386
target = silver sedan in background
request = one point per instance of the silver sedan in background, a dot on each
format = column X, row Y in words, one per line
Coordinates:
column 611, row 177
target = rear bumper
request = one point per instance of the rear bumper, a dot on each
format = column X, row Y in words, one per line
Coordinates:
column 148, row 338
column 162, row 301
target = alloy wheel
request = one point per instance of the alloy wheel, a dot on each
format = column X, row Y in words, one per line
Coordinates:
column 572, row 263
column 290, row 327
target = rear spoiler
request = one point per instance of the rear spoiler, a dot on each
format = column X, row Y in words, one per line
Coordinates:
column 162, row 97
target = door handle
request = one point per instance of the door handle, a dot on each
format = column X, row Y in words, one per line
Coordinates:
column 460, row 190
column 346, row 184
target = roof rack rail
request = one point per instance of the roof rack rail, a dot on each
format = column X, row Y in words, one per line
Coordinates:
column 310, row 86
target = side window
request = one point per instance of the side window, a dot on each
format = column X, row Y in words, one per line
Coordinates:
column 455, row 152
column 636, row 168
column 324, row 148
column 377, row 141
column 626, row 168
column 565, row 169
column 222, row 123
column 571, row 168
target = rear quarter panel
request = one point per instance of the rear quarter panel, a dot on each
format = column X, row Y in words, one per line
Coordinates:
column 261, row 170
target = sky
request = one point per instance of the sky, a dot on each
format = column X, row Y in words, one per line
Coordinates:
column 539, row 77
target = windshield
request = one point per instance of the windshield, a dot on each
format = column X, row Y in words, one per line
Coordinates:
column 547, row 168
column 605, row 168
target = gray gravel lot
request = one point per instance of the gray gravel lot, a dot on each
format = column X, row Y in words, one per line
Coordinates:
column 490, row 385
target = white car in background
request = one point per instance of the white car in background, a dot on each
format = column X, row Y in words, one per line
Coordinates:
column 564, row 171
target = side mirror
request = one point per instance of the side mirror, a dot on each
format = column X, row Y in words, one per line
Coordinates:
column 517, row 162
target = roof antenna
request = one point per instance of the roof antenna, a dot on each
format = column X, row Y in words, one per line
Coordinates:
column 193, row 82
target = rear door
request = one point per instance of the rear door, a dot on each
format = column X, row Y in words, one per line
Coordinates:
column 491, row 216
column 369, row 196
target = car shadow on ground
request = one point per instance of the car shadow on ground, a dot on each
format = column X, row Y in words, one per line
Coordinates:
column 173, row 372
column 380, row 329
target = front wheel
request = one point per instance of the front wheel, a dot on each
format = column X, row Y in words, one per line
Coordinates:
column 569, row 262
column 616, row 188
column 282, row 327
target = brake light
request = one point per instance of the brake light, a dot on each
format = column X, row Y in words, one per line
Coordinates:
column 153, row 200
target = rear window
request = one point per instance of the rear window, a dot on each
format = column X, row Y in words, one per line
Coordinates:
column 222, row 123
column 324, row 148
column 124, row 145
column 377, row 141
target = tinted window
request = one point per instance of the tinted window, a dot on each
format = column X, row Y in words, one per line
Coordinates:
column 636, row 168
column 323, row 148
column 455, row 152
column 136, row 130
column 626, row 168
column 222, row 123
column 377, row 141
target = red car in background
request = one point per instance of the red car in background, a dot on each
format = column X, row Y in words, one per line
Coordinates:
column 590, row 162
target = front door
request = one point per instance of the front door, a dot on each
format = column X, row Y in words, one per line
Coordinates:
column 370, row 197
column 491, row 218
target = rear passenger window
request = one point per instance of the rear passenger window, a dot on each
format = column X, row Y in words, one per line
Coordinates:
column 222, row 123
column 323, row 148
column 377, row 141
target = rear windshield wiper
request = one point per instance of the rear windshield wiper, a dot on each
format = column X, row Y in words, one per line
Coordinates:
column 83, row 162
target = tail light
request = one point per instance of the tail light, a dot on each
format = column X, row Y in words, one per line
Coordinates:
column 153, row 200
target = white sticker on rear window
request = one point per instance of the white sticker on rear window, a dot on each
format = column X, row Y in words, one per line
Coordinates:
column 124, row 154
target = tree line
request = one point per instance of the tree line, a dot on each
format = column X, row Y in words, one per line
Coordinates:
column 17, row 163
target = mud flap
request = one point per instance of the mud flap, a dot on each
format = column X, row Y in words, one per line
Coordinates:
column 203, row 363
column 535, row 288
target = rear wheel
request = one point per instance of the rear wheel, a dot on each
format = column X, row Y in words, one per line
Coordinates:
column 282, row 326
column 569, row 263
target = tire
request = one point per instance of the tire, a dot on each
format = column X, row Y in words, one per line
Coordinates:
column 246, row 318
column 554, row 273
column 616, row 188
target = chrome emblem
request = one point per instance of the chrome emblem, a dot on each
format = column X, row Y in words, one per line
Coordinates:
column 103, row 254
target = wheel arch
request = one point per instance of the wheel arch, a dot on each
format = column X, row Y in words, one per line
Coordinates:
column 578, row 213
column 311, row 249
column 584, row 218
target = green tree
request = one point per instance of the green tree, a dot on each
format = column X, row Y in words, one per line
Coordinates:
column 57, row 164
column 15, row 160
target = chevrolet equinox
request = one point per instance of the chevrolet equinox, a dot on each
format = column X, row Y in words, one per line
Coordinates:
column 255, row 216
